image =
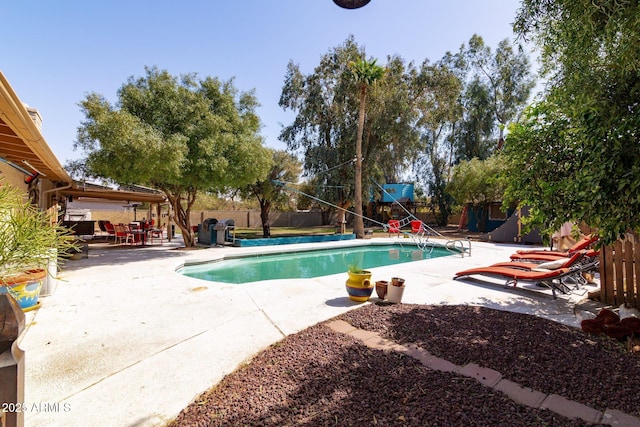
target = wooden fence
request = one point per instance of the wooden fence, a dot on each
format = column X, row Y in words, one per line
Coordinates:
column 620, row 272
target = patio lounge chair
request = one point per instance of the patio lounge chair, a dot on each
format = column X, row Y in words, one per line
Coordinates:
column 556, row 280
column 545, row 256
column 584, row 243
column 548, row 264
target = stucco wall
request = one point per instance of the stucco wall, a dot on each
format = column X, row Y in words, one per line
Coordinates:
column 12, row 176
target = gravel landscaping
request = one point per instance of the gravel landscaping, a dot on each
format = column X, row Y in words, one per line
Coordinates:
column 318, row 377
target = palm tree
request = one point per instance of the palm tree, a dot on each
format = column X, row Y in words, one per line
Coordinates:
column 365, row 73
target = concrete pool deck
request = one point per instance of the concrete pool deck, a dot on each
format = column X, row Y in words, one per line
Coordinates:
column 125, row 340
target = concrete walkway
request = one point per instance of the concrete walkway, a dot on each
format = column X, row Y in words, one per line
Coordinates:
column 125, row 340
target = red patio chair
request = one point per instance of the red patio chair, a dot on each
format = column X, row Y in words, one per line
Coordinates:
column 110, row 229
column 416, row 226
column 155, row 233
column 393, row 226
column 123, row 234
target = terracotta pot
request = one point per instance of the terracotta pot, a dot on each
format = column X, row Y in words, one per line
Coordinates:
column 359, row 286
column 396, row 281
column 381, row 288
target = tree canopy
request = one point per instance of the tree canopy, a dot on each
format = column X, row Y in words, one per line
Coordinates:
column 478, row 182
column 417, row 120
column 582, row 140
column 326, row 103
column 270, row 192
column 179, row 135
column 477, row 92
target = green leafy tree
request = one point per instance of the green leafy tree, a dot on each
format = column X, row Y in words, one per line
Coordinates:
column 441, row 202
column 366, row 74
column 439, row 91
column 324, row 110
column 497, row 87
column 179, row 135
column 327, row 102
column 270, row 192
column 590, row 54
column 478, row 182
column 477, row 128
column 543, row 164
column 505, row 76
column 467, row 100
column 390, row 146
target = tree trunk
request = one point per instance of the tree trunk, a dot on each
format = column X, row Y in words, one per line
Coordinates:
column 358, row 223
column 182, row 220
column 264, row 216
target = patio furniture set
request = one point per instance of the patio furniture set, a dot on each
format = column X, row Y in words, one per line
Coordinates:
column 134, row 233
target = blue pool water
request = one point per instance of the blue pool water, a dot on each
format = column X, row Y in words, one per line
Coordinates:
column 308, row 264
column 290, row 240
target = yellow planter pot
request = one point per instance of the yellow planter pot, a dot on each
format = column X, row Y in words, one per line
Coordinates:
column 359, row 286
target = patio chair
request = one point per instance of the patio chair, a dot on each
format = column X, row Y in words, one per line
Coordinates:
column 393, row 226
column 556, row 280
column 416, row 226
column 544, row 256
column 123, row 234
column 584, row 243
column 155, row 233
column 548, row 264
column 111, row 232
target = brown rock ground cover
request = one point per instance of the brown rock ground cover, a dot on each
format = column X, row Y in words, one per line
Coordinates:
column 323, row 378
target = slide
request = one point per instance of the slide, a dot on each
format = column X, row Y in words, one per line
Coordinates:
column 510, row 231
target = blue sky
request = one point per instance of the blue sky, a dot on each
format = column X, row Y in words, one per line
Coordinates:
column 54, row 53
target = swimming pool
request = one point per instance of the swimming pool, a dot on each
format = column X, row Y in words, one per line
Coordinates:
column 291, row 240
column 307, row 264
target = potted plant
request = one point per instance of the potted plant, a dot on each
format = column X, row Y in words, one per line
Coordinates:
column 28, row 238
column 359, row 285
